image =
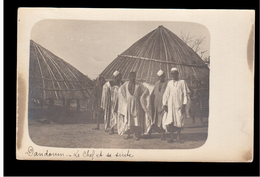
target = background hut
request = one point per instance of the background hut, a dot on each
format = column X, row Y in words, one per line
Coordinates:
column 161, row 49
column 51, row 78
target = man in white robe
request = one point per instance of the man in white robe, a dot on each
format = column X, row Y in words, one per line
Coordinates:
column 109, row 101
column 134, row 107
column 156, row 104
column 174, row 100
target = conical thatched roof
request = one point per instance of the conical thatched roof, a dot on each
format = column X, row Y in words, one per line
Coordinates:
column 159, row 49
column 52, row 77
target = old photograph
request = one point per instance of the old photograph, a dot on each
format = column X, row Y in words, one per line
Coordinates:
column 110, row 85
column 116, row 84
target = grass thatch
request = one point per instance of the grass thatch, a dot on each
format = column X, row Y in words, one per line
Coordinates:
column 53, row 78
column 159, row 49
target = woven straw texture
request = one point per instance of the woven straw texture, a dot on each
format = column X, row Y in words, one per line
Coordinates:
column 51, row 77
column 159, row 49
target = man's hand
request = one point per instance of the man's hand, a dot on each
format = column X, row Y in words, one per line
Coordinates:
column 165, row 108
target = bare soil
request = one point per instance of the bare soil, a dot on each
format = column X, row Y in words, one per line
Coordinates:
column 75, row 131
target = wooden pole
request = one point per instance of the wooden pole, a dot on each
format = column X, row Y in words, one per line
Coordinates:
column 64, row 102
column 41, row 103
column 51, row 102
column 78, row 105
column 68, row 104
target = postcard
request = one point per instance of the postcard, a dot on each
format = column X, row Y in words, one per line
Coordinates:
column 165, row 85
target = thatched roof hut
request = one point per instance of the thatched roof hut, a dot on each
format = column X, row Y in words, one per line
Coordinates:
column 159, row 49
column 50, row 77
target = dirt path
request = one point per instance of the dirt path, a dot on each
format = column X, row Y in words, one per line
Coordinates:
column 82, row 136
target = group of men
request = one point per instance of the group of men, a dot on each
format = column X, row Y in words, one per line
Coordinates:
column 134, row 109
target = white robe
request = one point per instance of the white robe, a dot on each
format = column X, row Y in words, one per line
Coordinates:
column 114, row 106
column 175, row 96
column 134, row 109
column 109, row 103
column 106, row 104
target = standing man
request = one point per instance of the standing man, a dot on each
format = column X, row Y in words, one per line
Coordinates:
column 174, row 100
column 196, row 106
column 97, row 93
column 135, row 108
column 156, row 103
column 109, row 101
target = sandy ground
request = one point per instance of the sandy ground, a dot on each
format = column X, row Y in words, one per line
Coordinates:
column 79, row 134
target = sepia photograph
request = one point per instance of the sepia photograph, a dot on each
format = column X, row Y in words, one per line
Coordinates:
column 85, row 92
column 103, row 89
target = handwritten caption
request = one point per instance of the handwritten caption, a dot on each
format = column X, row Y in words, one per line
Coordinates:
column 90, row 154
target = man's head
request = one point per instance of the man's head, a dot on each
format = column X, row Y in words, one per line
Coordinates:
column 161, row 75
column 101, row 80
column 132, row 76
column 175, row 73
column 117, row 76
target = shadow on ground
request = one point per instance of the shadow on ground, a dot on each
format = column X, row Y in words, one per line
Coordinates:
column 184, row 136
column 60, row 115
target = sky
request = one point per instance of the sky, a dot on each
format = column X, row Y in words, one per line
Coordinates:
column 90, row 46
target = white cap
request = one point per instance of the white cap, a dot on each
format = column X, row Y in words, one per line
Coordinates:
column 174, row 69
column 160, row 72
column 115, row 73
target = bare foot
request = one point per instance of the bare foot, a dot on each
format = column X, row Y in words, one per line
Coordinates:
column 95, row 128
